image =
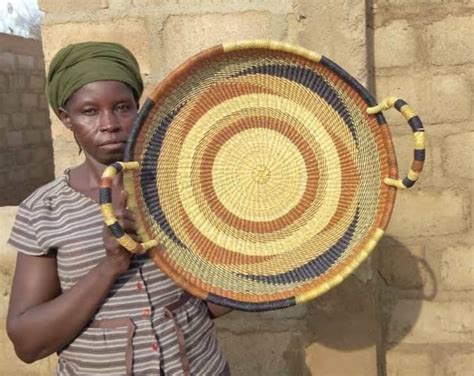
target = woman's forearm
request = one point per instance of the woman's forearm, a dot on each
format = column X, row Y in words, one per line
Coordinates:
column 42, row 329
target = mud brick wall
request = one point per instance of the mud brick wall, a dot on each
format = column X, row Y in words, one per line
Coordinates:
column 26, row 155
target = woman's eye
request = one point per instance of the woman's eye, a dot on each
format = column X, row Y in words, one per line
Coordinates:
column 89, row 111
column 123, row 107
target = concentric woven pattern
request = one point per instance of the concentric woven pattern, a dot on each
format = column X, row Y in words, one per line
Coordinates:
column 260, row 174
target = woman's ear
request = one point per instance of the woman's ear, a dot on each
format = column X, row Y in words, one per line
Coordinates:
column 65, row 118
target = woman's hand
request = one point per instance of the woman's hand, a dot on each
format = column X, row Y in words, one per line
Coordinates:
column 117, row 257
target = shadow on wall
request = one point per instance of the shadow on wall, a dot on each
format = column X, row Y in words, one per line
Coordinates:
column 343, row 319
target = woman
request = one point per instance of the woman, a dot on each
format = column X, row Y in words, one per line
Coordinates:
column 76, row 291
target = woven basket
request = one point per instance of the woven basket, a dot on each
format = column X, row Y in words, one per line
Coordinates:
column 262, row 174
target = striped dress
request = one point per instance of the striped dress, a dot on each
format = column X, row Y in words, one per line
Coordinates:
column 146, row 325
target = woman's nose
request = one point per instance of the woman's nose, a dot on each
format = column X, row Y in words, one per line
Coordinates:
column 109, row 121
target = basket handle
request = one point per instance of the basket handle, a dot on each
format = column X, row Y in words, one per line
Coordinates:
column 419, row 137
column 105, row 200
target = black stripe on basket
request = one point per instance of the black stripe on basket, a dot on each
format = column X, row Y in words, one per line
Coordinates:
column 251, row 307
column 137, row 126
column 309, row 79
column 148, row 175
column 399, row 103
column 408, row 182
column 105, row 196
column 116, row 230
column 416, row 124
column 118, row 167
column 420, row 155
column 315, row 267
column 361, row 90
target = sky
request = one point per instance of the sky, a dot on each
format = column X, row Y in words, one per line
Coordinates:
column 12, row 11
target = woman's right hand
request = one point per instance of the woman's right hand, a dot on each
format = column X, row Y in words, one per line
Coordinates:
column 117, row 257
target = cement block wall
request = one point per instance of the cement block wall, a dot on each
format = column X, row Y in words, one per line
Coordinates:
column 408, row 309
column 424, row 52
column 26, row 155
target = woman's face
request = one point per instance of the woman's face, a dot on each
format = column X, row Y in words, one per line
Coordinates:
column 101, row 115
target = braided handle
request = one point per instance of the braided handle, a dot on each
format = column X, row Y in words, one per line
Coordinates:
column 419, row 137
column 105, row 200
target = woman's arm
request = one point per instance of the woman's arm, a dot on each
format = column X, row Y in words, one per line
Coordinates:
column 42, row 320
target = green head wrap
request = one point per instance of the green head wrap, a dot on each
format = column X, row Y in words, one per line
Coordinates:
column 79, row 64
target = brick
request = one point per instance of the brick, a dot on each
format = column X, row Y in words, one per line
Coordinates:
column 400, row 363
column 450, row 40
column 423, row 322
column 457, row 268
column 43, row 153
column 212, row 29
column 39, row 119
column 17, row 176
column 10, row 102
column 19, row 120
column 4, row 83
column 6, row 160
column 37, row 83
column 395, row 45
column 17, row 82
column 459, row 364
column 430, row 213
column 33, row 136
column 29, row 100
column 46, row 135
column 451, row 97
column 458, row 160
column 39, row 64
column 7, row 62
column 435, row 98
column 4, row 121
column 123, row 31
column 26, row 62
column 43, row 173
column 53, row 6
column 15, row 138
column 42, row 100
column 402, row 266
column 23, row 157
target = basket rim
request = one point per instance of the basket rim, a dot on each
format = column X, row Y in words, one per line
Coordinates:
column 365, row 246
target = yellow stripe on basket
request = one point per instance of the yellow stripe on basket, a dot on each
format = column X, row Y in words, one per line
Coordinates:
column 419, row 140
column 198, row 132
column 412, row 175
column 133, row 165
column 108, row 213
column 397, row 183
column 385, row 104
column 272, row 45
column 109, row 172
column 407, row 112
column 309, row 295
column 127, row 242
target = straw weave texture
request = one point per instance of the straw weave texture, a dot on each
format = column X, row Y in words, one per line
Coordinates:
column 261, row 175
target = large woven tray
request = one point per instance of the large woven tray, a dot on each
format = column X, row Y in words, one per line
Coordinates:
column 262, row 174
